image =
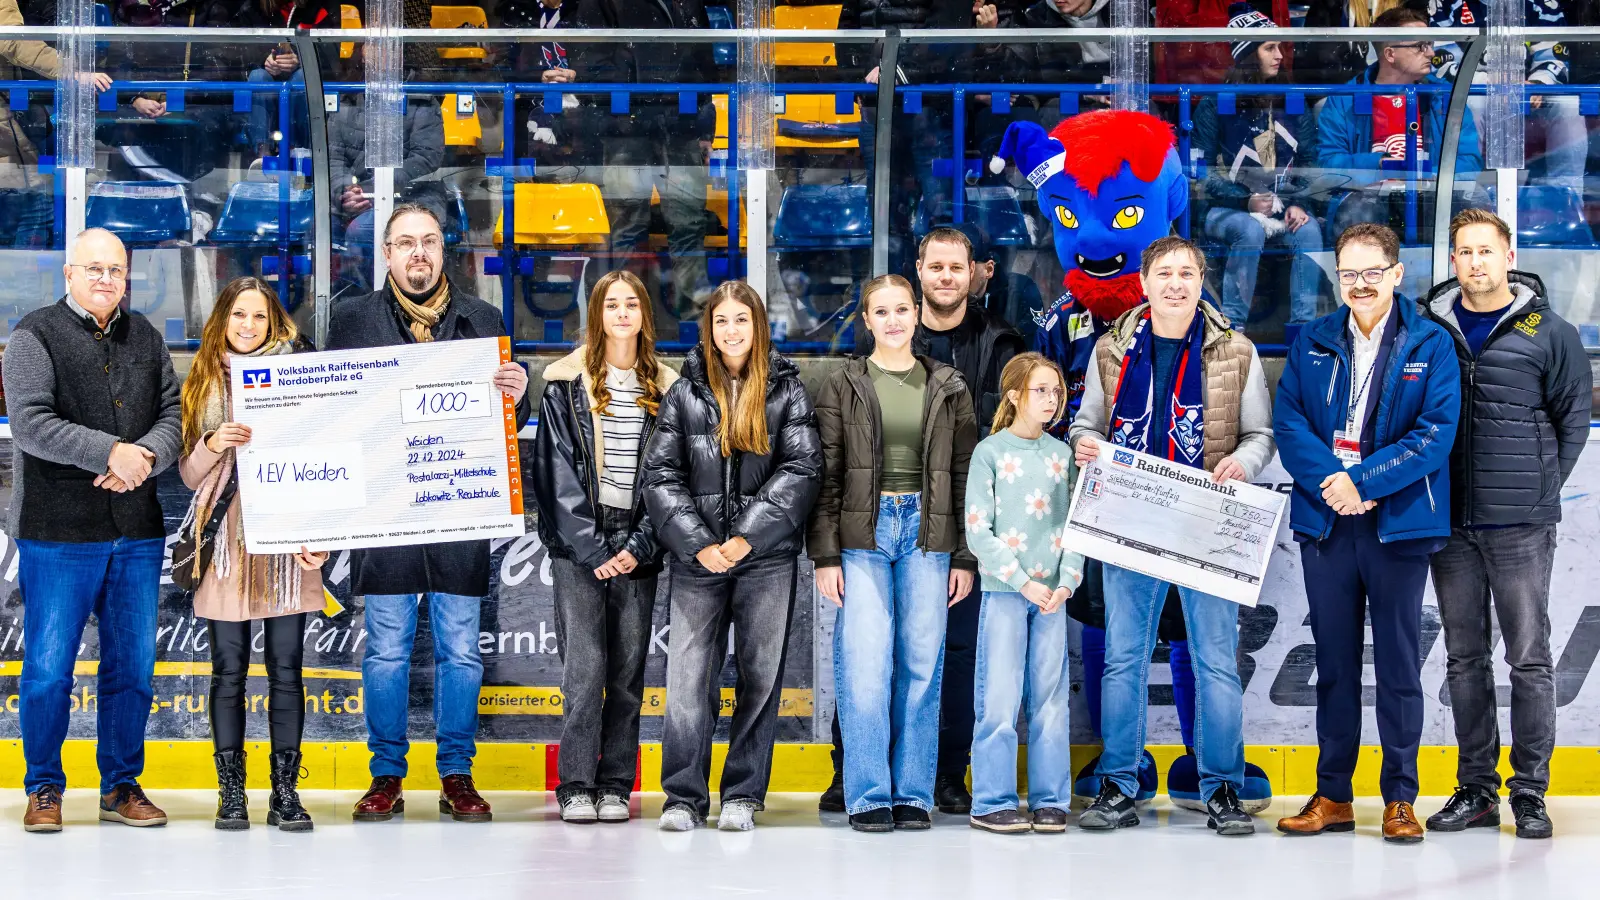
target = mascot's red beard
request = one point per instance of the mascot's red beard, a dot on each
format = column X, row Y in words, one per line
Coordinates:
column 1107, row 298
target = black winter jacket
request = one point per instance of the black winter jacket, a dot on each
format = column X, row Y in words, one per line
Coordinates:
column 981, row 346
column 567, row 455
column 1525, row 408
column 453, row 567
column 697, row 497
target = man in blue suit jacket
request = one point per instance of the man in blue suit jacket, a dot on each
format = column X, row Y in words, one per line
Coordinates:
column 1365, row 419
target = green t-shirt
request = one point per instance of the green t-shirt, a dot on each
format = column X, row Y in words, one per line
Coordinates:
column 900, row 401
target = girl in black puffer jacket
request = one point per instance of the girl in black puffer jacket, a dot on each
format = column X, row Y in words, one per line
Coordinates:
column 730, row 476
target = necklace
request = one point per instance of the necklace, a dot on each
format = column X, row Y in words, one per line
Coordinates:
column 897, row 377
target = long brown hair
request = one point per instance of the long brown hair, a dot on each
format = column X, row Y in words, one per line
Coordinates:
column 594, row 349
column 743, row 426
column 209, row 371
column 1015, row 377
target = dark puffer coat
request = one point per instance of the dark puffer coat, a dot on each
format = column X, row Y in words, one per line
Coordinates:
column 850, row 423
column 697, row 497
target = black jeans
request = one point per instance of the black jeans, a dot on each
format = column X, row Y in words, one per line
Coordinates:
column 603, row 629
column 757, row 599
column 1510, row 569
column 957, row 709
column 230, row 663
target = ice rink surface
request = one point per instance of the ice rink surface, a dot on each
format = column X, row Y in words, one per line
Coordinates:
column 528, row 852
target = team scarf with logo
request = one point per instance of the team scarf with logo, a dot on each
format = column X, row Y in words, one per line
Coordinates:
column 1132, row 410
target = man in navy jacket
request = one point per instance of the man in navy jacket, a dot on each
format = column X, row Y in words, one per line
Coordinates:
column 1365, row 419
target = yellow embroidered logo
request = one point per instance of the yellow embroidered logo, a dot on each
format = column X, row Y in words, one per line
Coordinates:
column 1529, row 325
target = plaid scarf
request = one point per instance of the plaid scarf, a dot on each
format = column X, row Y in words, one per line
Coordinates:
column 1132, row 410
column 421, row 317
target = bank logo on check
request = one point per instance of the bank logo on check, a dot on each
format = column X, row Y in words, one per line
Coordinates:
column 1120, row 457
column 257, row 378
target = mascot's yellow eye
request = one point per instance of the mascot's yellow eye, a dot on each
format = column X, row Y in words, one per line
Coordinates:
column 1128, row 216
column 1066, row 218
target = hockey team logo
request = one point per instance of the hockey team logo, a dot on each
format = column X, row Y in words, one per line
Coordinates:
column 1186, row 431
column 257, row 378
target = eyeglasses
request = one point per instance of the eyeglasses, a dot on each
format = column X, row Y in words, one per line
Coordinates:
column 1347, row 277
column 97, row 272
column 1045, row 393
column 408, row 246
column 1414, row 45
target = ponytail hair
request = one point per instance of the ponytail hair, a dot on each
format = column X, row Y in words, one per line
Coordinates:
column 1018, row 372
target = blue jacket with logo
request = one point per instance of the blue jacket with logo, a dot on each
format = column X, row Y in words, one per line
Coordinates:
column 1417, row 411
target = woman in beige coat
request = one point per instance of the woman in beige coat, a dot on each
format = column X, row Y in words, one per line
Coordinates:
column 236, row 587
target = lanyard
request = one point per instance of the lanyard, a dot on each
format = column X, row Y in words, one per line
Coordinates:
column 1357, row 396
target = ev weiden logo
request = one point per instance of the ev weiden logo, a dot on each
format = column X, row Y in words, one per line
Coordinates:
column 1120, row 457
column 257, row 378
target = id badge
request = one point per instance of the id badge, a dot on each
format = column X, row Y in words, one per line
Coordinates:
column 1347, row 448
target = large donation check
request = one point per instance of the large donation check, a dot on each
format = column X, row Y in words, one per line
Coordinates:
column 378, row 447
column 1174, row 523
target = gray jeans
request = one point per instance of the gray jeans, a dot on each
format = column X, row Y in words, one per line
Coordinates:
column 757, row 599
column 603, row 628
column 1510, row 568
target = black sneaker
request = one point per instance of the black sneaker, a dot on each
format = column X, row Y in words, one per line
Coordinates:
column 951, row 795
column 1532, row 819
column 832, row 800
column 1110, row 810
column 873, row 821
column 1469, row 807
column 1004, row 821
column 910, row 818
column 1225, row 814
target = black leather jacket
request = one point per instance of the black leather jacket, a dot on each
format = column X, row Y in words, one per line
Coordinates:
column 697, row 497
column 565, row 478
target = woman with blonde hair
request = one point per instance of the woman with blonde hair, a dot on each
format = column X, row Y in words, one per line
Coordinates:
column 599, row 410
column 235, row 588
column 730, row 476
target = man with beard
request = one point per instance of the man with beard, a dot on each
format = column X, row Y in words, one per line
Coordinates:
column 419, row 305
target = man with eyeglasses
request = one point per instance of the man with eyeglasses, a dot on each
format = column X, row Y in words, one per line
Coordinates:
column 1173, row 379
column 417, row 305
column 95, row 417
column 1365, row 417
column 1373, row 148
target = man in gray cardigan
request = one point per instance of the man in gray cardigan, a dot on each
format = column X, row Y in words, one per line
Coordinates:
column 95, row 417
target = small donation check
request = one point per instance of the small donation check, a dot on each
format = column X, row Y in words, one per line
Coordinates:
column 1174, row 523
column 378, row 447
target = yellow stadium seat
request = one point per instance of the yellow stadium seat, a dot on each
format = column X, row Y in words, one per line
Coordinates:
column 349, row 17
column 815, row 18
column 717, row 204
column 460, row 130
column 460, row 17
column 801, row 108
column 557, row 215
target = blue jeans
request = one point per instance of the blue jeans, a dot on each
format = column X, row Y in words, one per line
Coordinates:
column 888, row 656
column 1133, row 608
column 391, row 622
column 1022, row 653
column 1246, row 239
column 119, row 582
column 264, row 118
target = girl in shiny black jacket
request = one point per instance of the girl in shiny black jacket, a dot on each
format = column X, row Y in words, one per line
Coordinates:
column 599, row 409
column 731, row 473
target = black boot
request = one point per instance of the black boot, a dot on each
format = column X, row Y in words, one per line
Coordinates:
column 233, row 808
column 284, row 810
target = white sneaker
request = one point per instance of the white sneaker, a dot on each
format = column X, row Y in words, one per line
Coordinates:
column 612, row 808
column 578, row 809
column 677, row 818
column 737, row 815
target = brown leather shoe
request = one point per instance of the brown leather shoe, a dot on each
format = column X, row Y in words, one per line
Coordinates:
column 44, row 810
column 1320, row 814
column 127, row 804
column 1400, row 825
column 461, row 800
column 382, row 802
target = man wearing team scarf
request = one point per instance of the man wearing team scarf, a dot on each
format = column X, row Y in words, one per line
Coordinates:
column 1172, row 379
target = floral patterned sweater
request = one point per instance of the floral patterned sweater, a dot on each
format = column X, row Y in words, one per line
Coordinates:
column 1018, row 492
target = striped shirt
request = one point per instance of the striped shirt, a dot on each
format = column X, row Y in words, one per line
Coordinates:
column 621, row 429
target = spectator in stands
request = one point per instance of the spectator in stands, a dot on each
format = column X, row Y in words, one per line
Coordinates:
column 280, row 63
column 1526, row 397
column 419, row 304
column 1065, row 62
column 351, row 178
column 27, row 207
column 1013, row 299
column 1255, row 194
column 87, row 521
column 1336, row 62
column 655, row 145
column 1373, row 146
column 1194, row 63
column 551, row 134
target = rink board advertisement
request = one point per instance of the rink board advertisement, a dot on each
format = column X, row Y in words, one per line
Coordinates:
column 522, row 669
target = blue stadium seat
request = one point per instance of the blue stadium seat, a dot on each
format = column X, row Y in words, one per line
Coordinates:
column 823, row 217
column 1549, row 215
column 141, row 213
column 250, row 217
column 994, row 208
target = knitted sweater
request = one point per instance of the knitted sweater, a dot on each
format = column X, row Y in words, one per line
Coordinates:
column 1018, row 492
